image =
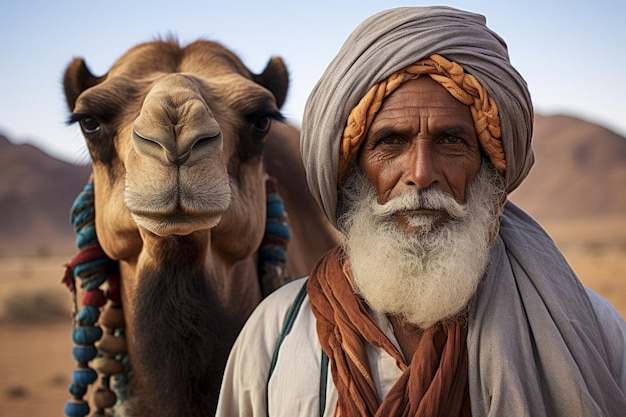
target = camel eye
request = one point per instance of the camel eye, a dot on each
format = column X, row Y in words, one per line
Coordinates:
column 89, row 125
column 262, row 125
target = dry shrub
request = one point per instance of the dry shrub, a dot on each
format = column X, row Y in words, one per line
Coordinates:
column 38, row 306
column 16, row 391
column 58, row 380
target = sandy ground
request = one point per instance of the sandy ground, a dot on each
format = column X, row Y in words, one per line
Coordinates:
column 36, row 363
column 36, row 359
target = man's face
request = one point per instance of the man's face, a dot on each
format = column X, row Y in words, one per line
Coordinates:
column 428, row 273
column 421, row 138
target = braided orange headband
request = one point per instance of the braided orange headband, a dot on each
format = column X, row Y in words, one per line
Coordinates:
column 464, row 87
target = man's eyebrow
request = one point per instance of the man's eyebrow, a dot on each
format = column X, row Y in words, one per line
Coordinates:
column 457, row 129
column 454, row 128
column 387, row 130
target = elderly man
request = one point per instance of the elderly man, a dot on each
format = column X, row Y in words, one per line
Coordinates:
column 443, row 299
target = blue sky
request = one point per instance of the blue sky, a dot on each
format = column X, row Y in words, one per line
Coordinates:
column 571, row 53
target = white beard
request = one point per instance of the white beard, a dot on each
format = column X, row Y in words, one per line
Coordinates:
column 429, row 275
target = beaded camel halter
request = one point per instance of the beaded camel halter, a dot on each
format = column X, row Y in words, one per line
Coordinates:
column 98, row 328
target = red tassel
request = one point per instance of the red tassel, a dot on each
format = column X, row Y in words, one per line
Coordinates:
column 68, row 278
column 94, row 298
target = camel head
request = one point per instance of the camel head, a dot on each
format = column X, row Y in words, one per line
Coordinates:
column 176, row 136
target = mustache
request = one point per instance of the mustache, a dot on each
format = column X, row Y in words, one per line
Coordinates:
column 422, row 199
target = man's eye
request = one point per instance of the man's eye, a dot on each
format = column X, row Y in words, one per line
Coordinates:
column 390, row 140
column 450, row 139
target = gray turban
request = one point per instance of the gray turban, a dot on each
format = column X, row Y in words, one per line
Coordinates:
column 390, row 41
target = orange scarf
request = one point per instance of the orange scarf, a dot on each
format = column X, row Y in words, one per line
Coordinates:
column 435, row 382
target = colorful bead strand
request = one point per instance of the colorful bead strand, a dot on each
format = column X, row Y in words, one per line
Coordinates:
column 93, row 269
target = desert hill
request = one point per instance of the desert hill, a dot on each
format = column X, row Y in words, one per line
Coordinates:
column 576, row 187
column 36, row 193
column 579, row 171
column 578, row 178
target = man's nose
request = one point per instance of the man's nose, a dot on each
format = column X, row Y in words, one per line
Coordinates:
column 422, row 170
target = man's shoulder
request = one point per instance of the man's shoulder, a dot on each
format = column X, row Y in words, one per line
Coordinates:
column 284, row 295
column 613, row 326
column 608, row 316
column 276, row 305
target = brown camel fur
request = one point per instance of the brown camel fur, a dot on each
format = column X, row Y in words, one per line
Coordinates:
column 181, row 139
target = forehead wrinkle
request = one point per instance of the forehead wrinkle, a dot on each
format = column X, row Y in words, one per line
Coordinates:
column 386, row 127
column 405, row 111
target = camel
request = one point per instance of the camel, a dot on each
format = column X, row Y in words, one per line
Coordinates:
column 182, row 140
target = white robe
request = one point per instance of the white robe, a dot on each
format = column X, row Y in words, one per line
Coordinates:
column 295, row 382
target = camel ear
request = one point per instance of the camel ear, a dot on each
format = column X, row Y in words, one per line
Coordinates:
column 275, row 78
column 77, row 78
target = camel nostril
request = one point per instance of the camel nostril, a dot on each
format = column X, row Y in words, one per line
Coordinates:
column 203, row 140
column 147, row 146
column 205, row 146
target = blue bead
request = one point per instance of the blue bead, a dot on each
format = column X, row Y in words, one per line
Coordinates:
column 88, row 315
column 86, row 236
column 76, row 408
column 275, row 207
column 86, row 335
column 272, row 253
column 83, row 203
column 83, row 218
column 84, row 376
column 278, row 229
column 77, row 391
column 84, row 354
column 88, row 268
